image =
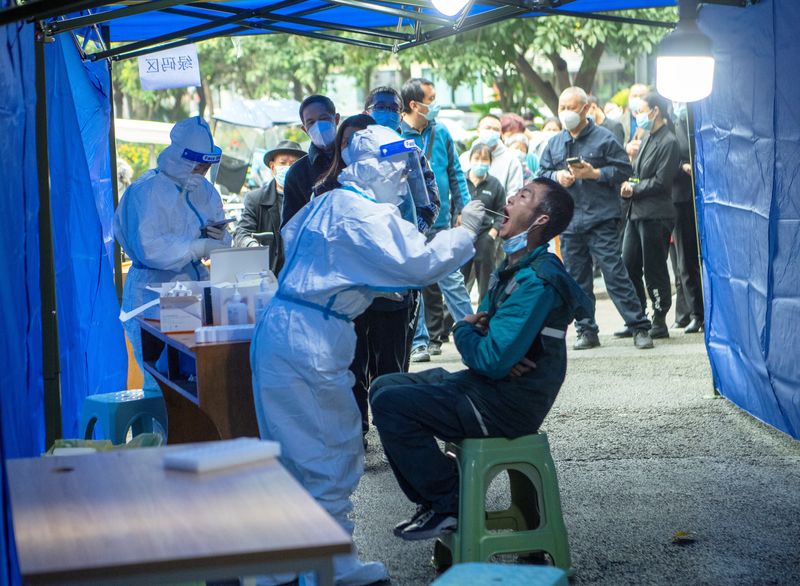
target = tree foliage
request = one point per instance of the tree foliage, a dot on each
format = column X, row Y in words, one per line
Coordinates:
column 525, row 55
column 522, row 58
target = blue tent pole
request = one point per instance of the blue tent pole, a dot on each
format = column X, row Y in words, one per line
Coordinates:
column 47, row 279
column 105, row 33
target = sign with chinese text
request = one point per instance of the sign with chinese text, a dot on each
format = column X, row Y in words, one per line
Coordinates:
column 172, row 68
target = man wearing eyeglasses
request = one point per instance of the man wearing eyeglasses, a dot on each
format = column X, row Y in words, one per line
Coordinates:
column 386, row 329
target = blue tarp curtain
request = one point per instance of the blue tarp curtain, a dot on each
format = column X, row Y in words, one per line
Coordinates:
column 21, row 385
column 91, row 339
column 748, row 159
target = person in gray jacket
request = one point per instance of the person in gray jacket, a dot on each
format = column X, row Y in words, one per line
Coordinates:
column 591, row 164
column 651, row 214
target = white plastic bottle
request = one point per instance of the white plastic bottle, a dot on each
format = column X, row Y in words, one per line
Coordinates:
column 237, row 310
column 262, row 299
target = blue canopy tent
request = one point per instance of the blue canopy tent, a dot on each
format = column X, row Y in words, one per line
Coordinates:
column 747, row 152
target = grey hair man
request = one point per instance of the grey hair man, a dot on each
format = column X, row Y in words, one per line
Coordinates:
column 588, row 161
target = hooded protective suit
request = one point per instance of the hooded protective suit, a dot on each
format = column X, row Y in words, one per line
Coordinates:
column 159, row 220
column 342, row 249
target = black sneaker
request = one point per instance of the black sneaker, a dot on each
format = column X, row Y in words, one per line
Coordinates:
column 421, row 510
column 434, row 349
column 642, row 340
column 429, row 525
column 587, row 339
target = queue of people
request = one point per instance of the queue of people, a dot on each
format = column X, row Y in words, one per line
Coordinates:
column 382, row 207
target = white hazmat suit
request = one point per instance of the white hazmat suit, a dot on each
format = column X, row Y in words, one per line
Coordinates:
column 160, row 219
column 342, row 250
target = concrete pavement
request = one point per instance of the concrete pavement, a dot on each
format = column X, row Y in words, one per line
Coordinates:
column 643, row 451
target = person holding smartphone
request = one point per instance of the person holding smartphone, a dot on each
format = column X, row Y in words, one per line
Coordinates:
column 651, row 215
column 588, row 161
column 168, row 221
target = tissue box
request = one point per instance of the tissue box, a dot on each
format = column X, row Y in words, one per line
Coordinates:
column 181, row 313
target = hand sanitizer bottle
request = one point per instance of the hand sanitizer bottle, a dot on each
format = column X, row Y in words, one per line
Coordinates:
column 262, row 299
column 237, row 310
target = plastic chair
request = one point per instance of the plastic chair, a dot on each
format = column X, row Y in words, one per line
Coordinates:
column 476, row 574
column 533, row 522
column 115, row 413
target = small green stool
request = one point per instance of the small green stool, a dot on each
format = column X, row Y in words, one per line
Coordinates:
column 476, row 574
column 533, row 522
column 115, row 413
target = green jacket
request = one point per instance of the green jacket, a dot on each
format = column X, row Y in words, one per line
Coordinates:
column 530, row 306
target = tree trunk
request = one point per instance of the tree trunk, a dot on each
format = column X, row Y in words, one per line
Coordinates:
column 588, row 70
column 367, row 80
column 405, row 73
column 118, row 98
column 201, row 104
column 503, row 91
column 209, row 98
column 297, row 89
column 543, row 89
column 561, row 72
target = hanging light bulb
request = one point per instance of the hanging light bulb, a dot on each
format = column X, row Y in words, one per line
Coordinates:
column 449, row 7
column 685, row 63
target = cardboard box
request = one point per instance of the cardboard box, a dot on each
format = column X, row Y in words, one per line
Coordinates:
column 183, row 313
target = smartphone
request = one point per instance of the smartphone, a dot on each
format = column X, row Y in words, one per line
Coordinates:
column 574, row 162
column 219, row 223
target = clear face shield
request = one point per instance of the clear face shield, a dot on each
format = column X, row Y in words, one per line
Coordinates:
column 407, row 154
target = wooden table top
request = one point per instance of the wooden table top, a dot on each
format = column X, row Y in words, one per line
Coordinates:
column 185, row 340
column 122, row 513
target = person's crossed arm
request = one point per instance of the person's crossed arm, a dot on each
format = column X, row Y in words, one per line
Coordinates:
column 480, row 321
column 495, row 347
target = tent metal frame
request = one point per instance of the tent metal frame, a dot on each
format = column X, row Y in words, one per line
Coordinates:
column 225, row 20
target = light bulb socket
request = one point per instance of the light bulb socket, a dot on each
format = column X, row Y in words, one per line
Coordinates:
column 687, row 40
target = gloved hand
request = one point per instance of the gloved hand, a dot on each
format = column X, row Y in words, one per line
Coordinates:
column 472, row 217
column 202, row 247
column 215, row 232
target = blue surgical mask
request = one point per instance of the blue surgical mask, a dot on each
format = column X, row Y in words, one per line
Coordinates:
column 489, row 137
column 386, row 118
column 433, row 111
column 322, row 134
column 480, row 169
column 518, row 242
column 280, row 174
column 643, row 121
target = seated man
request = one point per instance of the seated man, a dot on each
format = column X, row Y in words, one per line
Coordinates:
column 516, row 356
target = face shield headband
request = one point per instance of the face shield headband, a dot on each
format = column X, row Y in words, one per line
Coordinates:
column 201, row 158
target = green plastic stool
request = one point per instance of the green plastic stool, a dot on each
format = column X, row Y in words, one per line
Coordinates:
column 533, row 522
column 476, row 574
column 115, row 413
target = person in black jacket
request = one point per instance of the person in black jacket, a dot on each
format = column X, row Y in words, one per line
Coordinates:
column 262, row 206
column 686, row 259
column 651, row 214
column 319, row 119
column 488, row 189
